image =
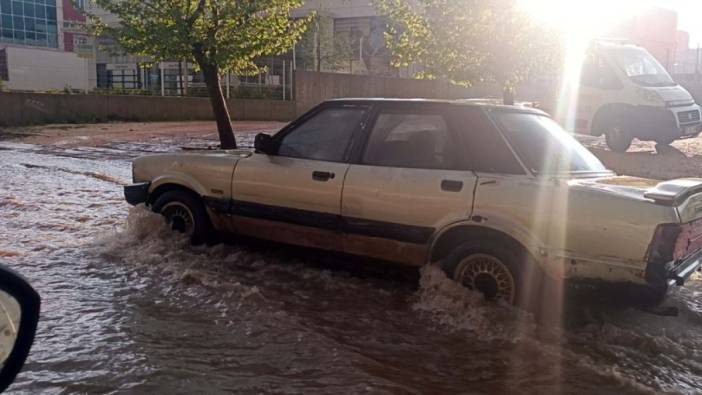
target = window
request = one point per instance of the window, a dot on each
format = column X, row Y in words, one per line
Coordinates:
column 4, row 71
column 640, row 66
column 26, row 22
column 484, row 148
column 597, row 73
column 325, row 136
column 410, row 140
column 544, row 146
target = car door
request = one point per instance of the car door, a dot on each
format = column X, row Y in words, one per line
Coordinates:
column 294, row 196
column 406, row 182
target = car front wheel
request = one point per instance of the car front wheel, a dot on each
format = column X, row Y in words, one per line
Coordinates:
column 499, row 272
column 185, row 213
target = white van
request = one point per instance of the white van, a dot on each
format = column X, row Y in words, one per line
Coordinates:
column 625, row 93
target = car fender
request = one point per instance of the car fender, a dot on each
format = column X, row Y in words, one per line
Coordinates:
column 181, row 179
column 503, row 225
column 512, row 229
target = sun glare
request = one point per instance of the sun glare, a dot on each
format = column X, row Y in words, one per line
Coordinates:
column 583, row 19
column 579, row 22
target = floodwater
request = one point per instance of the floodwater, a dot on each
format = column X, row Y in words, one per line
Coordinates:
column 130, row 307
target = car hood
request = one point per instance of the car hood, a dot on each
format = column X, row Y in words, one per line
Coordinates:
column 675, row 94
column 684, row 194
column 198, row 164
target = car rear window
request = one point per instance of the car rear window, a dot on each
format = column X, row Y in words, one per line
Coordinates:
column 485, row 150
column 544, row 146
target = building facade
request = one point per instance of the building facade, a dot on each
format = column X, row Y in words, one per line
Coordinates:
column 43, row 48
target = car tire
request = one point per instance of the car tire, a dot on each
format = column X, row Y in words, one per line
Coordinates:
column 618, row 138
column 667, row 140
column 185, row 213
column 498, row 270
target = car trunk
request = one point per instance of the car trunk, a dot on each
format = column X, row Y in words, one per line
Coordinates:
column 683, row 195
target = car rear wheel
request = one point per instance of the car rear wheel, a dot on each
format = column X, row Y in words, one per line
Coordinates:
column 498, row 271
column 185, row 213
column 618, row 138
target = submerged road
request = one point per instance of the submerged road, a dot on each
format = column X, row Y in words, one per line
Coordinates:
column 129, row 307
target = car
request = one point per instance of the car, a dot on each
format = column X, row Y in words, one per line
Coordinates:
column 19, row 315
column 500, row 197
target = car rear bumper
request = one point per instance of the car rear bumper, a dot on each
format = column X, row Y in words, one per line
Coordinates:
column 674, row 273
column 682, row 271
column 137, row 193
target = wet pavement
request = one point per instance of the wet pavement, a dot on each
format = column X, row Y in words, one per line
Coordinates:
column 130, row 307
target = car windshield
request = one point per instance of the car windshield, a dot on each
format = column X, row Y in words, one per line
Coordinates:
column 544, row 147
column 640, row 66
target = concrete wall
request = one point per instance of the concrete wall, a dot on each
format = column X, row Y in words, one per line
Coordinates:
column 36, row 108
column 45, row 69
column 312, row 88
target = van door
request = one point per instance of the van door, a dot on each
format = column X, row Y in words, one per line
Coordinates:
column 599, row 85
column 408, row 181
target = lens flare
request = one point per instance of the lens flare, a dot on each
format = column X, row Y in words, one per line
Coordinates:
column 582, row 19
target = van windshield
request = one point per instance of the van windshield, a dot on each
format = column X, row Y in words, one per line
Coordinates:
column 640, row 66
column 544, row 147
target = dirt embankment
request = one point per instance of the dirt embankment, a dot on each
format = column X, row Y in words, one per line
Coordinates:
column 644, row 159
column 682, row 159
column 97, row 135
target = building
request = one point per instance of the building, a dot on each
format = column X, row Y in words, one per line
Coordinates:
column 655, row 29
column 44, row 47
column 358, row 25
column 41, row 47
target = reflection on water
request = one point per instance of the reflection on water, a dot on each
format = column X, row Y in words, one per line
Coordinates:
column 128, row 307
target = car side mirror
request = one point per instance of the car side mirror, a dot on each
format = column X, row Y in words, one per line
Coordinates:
column 19, row 314
column 264, row 144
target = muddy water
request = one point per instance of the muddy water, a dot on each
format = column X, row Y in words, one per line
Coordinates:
column 130, row 307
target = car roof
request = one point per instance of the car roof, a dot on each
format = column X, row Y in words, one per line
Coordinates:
column 492, row 104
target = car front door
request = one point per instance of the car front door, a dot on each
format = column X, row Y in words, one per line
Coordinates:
column 408, row 181
column 294, row 195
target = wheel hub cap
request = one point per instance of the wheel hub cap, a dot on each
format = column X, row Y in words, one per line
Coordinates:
column 178, row 217
column 487, row 275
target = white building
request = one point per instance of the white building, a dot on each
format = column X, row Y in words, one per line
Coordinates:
column 41, row 48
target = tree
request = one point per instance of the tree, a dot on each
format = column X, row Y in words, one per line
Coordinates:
column 469, row 41
column 217, row 35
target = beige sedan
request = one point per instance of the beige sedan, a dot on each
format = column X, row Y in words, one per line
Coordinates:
column 500, row 197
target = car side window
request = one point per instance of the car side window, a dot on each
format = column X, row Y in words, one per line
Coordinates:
column 325, row 136
column 411, row 140
column 484, row 147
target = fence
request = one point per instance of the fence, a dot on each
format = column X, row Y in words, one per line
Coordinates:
column 312, row 88
column 181, row 79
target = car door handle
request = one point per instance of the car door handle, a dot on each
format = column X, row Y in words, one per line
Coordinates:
column 452, row 186
column 323, row 176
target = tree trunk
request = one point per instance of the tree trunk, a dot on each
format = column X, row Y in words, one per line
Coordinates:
column 508, row 96
column 219, row 106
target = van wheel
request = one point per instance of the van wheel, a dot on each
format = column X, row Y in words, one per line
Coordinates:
column 664, row 140
column 185, row 213
column 498, row 271
column 618, row 139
